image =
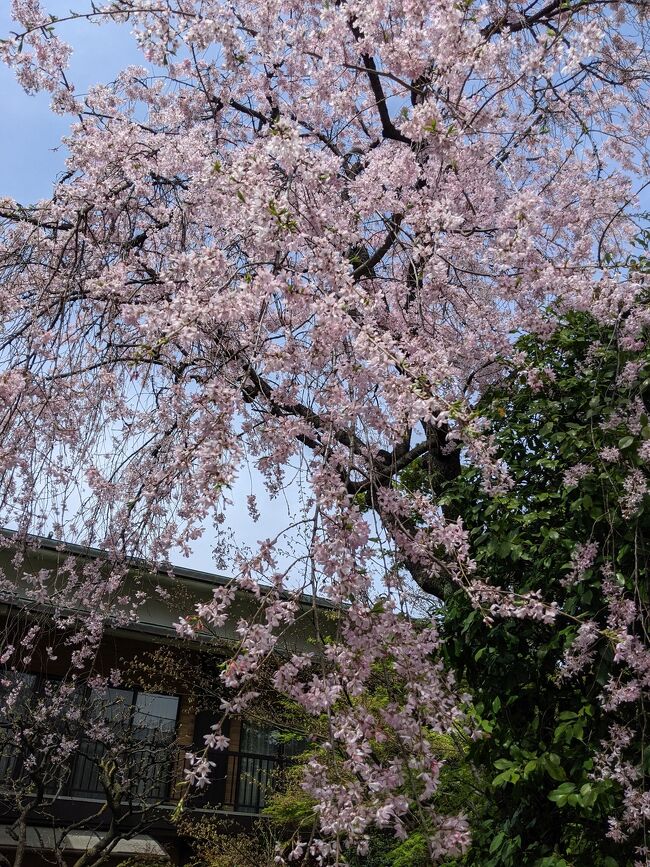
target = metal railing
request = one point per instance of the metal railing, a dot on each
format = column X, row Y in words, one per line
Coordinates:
column 255, row 775
column 240, row 782
column 149, row 770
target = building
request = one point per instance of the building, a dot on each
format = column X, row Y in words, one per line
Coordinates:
column 90, row 765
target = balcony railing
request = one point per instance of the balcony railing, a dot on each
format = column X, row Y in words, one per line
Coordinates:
column 150, row 770
column 147, row 771
column 240, row 781
column 255, row 776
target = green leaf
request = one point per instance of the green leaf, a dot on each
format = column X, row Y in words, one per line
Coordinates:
column 497, row 842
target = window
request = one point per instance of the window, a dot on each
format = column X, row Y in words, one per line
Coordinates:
column 263, row 754
column 126, row 737
column 16, row 689
column 131, row 742
column 37, row 710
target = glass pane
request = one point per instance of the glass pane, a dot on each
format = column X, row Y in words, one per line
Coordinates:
column 259, row 740
column 118, row 704
column 16, row 690
column 16, row 687
column 256, row 778
column 85, row 780
column 155, row 712
column 154, row 724
column 264, row 752
column 111, row 704
column 294, row 746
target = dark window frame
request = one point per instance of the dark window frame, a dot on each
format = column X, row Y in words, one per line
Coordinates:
column 38, row 689
column 136, row 692
column 250, row 794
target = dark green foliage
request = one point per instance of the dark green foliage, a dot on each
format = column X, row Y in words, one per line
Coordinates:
column 542, row 730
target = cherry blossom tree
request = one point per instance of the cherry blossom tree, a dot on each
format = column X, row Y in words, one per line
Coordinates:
column 301, row 237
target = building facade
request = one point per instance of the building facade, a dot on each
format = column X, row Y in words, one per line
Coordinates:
column 94, row 765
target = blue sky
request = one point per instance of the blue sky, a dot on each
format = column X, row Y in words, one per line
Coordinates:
column 31, row 154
